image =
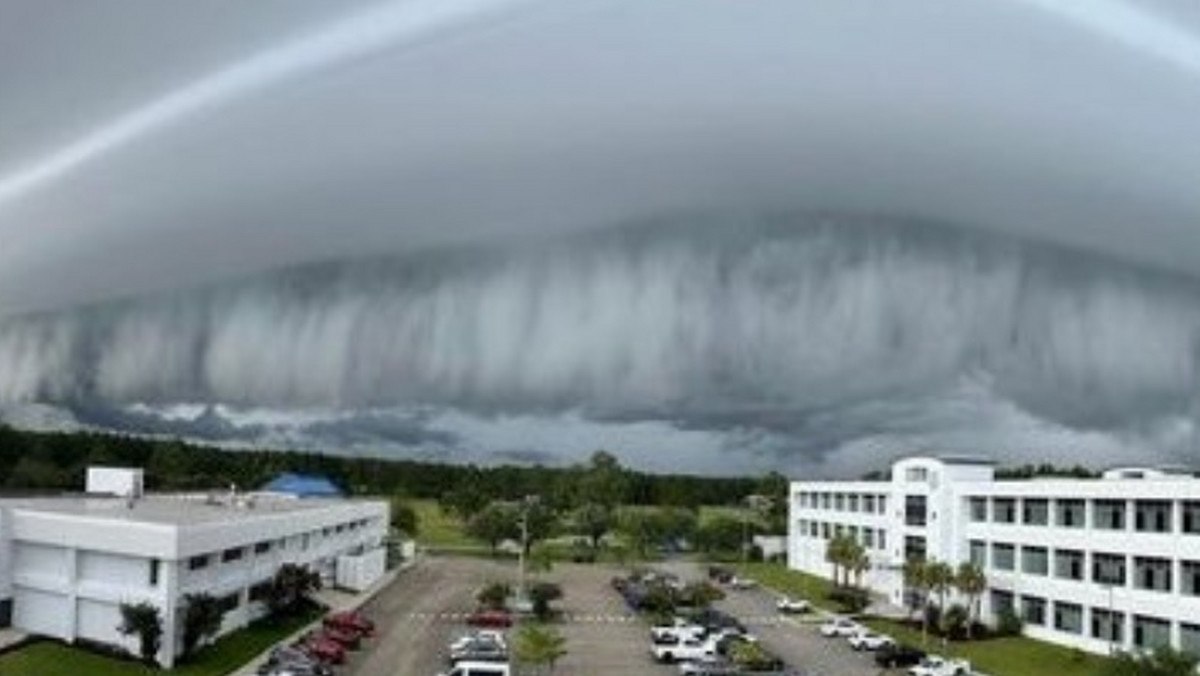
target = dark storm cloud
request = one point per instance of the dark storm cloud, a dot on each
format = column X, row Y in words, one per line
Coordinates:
column 469, row 145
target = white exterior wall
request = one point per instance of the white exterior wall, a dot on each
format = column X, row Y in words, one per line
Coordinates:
column 68, row 573
column 114, row 481
column 949, row 530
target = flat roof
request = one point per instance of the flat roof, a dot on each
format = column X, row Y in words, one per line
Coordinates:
column 175, row 509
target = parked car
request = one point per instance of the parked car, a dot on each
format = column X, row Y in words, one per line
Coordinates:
column 689, row 649
column 839, row 626
column 479, row 669
column 898, row 656
column 347, row 637
column 714, row 620
column 490, row 618
column 478, row 635
column 709, row 666
column 479, row 648
column 675, row 631
column 865, row 639
column 287, row 659
column 351, row 620
column 322, row 648
column 790, row 605
column 936, row 665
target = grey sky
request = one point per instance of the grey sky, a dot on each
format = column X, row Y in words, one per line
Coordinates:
column 388, row 128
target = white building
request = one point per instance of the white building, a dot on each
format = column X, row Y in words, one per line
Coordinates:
column 1099, row 564
column 67, row 563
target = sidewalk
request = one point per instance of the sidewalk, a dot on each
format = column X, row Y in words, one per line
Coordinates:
column 337, row 601
column 10, row 637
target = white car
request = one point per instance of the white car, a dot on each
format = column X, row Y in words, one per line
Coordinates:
column 680, row 630
column 787, row 604
column 479, row 669
column 840, row 626
column 693, row 648
column 936, row 665
column 485, row 635
column 865, row 639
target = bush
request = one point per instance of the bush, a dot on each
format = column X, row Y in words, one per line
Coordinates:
column 494, row 596
column 1008, row 623
column 851, row 599
column 542, row 594
column 954, row 622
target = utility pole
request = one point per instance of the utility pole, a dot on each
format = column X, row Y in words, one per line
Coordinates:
column 528, row 502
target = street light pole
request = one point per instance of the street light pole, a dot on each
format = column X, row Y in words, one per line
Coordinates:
column 528, row 502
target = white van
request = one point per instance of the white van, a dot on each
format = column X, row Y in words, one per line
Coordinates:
column 479, row 669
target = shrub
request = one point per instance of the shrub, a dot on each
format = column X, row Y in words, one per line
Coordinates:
column 542, row 594
column 144, row 621
column 954, row 622
column 851, row 599
column 1008, row 623
column 494, row 595
column 202, row 617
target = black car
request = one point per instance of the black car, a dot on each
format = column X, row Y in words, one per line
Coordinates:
column 714, row 620
column 898, row 656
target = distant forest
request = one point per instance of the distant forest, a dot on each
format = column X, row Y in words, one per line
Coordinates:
column 56, row 461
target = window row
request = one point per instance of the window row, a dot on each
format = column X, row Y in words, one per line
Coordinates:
column 867, row 503
column 1148, row 516
column 870, row 538
column 263, row 547
column 1103, row 624
column 1148, row 572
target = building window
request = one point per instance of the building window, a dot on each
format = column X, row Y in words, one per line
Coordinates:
column 853, row 502
column 1068, row 564
column 882, row 539
column 914, row 510
column 839, row 502
column 814, row 529
column 1071, row 513
column 869, row 504
column 154, row 566
column 1108, row 569
column 1191, row 517
column 1035, row 511
column 1152, row 516
column 979, row 509
column 1191, row 578
column 916, row 475
column 198, row 562
column 232, row 554
column 1068, row 617
column 1109, row 514
column 825, row 501
column 914, row 548
column 825, row 531
column 1035, row 561
column 979, row 553
column 883, row 504
column 1189, row 638
column 869, row 538
column 1003, row 557
column 1004, row 510
column 1108, row 626
column 1002, row 601
column 1151, row 632
column 1033, row 610
column 1152, row 573
column 262, row 547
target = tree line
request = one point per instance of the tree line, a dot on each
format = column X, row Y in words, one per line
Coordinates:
column 56, row 461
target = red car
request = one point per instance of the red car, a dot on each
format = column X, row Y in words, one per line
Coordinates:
column 322, row 648
column 348, row 638
column 351, row 621
column 490, row 618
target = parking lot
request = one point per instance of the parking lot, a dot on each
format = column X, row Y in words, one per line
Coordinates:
column 427, row 605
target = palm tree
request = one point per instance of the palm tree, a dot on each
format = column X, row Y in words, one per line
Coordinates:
column 539, row 647
column 858, row 563
column 971, row 583
column 917, row 583
column 940, row 577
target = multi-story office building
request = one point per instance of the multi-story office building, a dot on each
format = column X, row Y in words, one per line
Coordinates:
column 67, row 563
column 1099, row 564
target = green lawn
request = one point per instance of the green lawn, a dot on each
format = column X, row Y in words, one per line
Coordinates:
column 439, row 529
column 50, row 658
column 1013, row 656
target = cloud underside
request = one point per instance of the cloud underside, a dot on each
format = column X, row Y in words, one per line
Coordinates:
column 710, row 342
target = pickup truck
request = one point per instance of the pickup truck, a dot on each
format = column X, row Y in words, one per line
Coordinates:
column 936, row 665
column 693, row 648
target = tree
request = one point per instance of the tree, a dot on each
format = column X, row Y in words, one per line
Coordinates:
column 971, row 582
column 493, row 524
column 540, row 523
column 916, row 583
column 291, row 588
column 1162, row 661
column 494, row 595
column 841, row 551
column 144, row 621
column 541, row 594
column 202, row 615
column 857, row 562
column 643, row 528
column 954, row 620
column 722, row 533
column 594, row 520
column 939, row 576
column 539, row 647
column 404, row 517
column 603, row 481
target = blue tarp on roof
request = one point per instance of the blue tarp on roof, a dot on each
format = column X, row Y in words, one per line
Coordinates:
column 304, row 485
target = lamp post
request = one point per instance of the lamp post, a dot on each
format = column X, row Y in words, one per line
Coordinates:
column 528, row 502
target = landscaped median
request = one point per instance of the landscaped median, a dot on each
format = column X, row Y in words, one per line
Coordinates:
column 51, row 658
column 1004, row 656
